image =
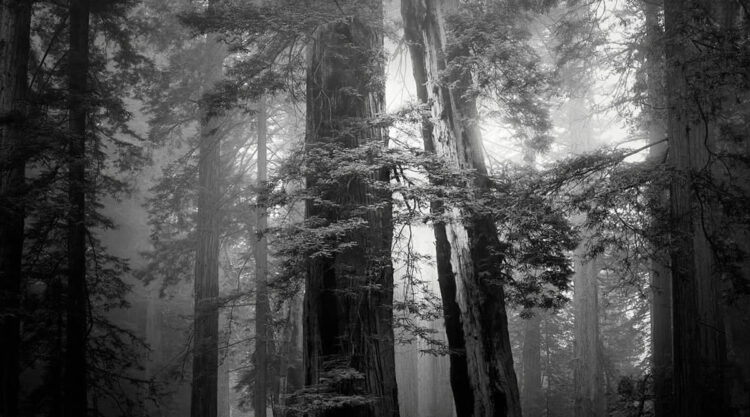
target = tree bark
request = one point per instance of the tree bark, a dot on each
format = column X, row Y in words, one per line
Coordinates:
column 204, row 393
column 699, row 344
column 661, row 276
column 469, row 273
column 532, row 398
column 349, row 295
column 75, row 399
column 15, row 23
column 262, row 308
column 588, row 381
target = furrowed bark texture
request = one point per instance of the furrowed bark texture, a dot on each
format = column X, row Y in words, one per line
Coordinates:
column 661, row 275
column 75, row 399
column 204, row 391
column 468, row 251
column 588, row 398
column 710, row 306
column 15, row 22
column 349, row 294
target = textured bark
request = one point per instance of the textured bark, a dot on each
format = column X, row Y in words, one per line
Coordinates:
column 467, row 251
column 75, row 388
column 735, row 277
column 588, row 400
column 204, row 394
column 262, row 333
column 699, row 345
column 661, row 276
column 15, row 21
column 532, row 397
column 349, row 295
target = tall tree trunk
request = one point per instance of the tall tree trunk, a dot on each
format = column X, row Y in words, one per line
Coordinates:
column 589, row 399
column 349, row 295
column 699, row 344
column 261, row 271
column 76, row 403
column 204, row 394
column 467, row 251
column 661, row 276
column 15, row 23
column 459, row 374
column 732, row 17
column 588, row 382
column 532, row 399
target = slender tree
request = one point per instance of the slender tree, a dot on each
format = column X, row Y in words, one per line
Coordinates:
column 15, row 23
column 589, row 400
column 262, row 333
column 76, row 328
column 468, row 252
column 532, row 397
column 348, row 329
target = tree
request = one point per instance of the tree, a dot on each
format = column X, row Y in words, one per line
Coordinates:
column 76, row 329
column 704, row 49
column 589, row 399
column 15, row 25
column 262, row 325
column 348, row 334
column 532, row 397
column 661, row 285
column 468, row 252
column 203, row 399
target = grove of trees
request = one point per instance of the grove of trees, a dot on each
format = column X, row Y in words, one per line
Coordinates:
column 368, row 208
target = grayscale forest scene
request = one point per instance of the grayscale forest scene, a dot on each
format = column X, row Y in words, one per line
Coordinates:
column 374, row 208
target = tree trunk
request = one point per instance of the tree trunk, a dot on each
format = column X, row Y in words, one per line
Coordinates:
column 349, row 294
column 532, row 398
column 699, row 345
column 661, row 276
column 76, row 403
column 15, row 23
column 588, row 382
column 261, row 272
column 204, row 394
column 482, row 374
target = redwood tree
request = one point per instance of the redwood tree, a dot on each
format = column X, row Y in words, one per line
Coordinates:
column 204, row 394
column 15, row 21
column 260, row 252
column 661, row 284
column 707, row 97
column 468, row 250
column 348, row 330
column 76, row 329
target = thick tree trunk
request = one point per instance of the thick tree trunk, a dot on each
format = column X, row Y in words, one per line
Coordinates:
column 468, row 265
column 349, row 295
column 661, row 276
column 204, row 393
column 206, row 314
column 262, row 333
column 710, row 241
column 699, row 344
column 532, row 398
column 76, row 403
column 15, row 23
